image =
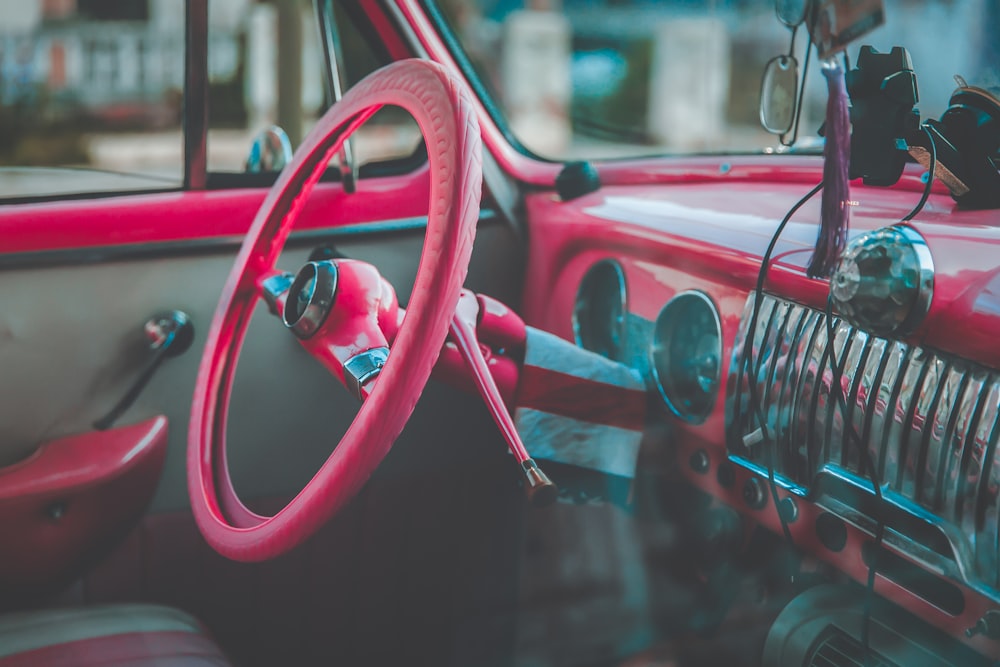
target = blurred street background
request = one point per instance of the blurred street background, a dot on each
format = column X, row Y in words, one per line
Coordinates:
column 98, row 83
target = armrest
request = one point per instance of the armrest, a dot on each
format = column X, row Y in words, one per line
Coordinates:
column 72, row 500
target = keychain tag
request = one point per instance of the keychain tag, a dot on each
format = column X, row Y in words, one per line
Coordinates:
column 837, row 23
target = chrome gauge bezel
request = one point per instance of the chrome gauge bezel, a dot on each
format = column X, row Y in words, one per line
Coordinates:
column 585, row 298
column 661, row 332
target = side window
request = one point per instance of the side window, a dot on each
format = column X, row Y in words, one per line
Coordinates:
column 81, row 85
column 250, row 44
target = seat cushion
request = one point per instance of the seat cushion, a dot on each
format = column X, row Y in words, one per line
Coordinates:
column 114, row 635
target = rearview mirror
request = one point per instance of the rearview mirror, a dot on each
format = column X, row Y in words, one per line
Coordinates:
column 270, row 151
column 777, row 94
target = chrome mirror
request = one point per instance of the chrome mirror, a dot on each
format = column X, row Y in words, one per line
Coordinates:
column 777, row 94
column 270, row 151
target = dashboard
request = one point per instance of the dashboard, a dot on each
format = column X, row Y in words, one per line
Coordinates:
column 661, row 278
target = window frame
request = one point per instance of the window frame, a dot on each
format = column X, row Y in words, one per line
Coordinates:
column 360, row 20
column 195, row 175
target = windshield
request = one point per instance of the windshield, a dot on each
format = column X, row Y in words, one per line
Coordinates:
column 577, row 79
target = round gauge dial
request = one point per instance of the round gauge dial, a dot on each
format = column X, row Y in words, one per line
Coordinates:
column 599, row 313
column 687, row 355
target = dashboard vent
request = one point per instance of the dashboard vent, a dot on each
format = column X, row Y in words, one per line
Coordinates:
column 930, row 422
column 837, row 649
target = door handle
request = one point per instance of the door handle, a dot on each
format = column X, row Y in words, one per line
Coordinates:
column 170, row 334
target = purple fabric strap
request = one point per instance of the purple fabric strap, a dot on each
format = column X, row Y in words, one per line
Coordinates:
column 835, row 209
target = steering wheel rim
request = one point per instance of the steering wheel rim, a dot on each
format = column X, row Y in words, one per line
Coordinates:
column 444, row 113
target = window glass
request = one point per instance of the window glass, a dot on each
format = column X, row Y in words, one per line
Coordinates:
column 82, row 85
column 249, row 44
column 616, row 78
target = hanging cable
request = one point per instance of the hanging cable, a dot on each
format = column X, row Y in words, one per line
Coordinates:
column 868, row 468
column 867, row 464
column 802, row 90
column 748, row 349
column 931, row 170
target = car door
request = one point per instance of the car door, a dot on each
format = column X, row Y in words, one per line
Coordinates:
column 85, row 278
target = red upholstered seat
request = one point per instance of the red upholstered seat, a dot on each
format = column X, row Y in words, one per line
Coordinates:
column 114, row 635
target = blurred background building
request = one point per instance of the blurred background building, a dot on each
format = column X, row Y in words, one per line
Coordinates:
column 99, row 82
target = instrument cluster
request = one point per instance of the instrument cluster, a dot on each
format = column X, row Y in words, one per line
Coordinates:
column 680, row 352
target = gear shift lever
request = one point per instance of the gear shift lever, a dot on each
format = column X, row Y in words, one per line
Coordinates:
column 540, row 489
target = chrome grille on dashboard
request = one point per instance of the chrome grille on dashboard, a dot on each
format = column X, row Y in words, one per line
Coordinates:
column 930, row 421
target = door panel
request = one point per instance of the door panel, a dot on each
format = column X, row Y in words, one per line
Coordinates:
column 71, row 500
column 71, row 340
column 424, row 562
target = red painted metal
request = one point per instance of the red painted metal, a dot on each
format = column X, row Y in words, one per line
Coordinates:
column 367, row 315
column 500, row 327
column 388, row 33
column 501, row 334
column 521, row 166
column 675, row 237
column 732, row 168
column 72, row 499
column 691, row 225
column 164, row 649
column 849, row 559
column 443, row 110
column 185, row 216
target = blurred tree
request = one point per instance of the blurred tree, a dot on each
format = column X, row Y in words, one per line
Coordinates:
column 290, row 67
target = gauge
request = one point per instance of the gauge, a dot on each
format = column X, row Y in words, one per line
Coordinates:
column 686, row 355
column 599, row 313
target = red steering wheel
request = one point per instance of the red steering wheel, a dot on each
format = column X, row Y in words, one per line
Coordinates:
column 444, row 112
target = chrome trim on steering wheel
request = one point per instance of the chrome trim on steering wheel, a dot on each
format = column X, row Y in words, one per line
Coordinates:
column 310, row 298
column 363, row 368
column 274, row 287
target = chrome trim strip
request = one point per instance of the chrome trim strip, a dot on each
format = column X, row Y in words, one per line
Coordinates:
column 848, row 445
column 971, row 462
column 956, row 387
column 778, row 348
column 273, row 288
column 879, row 360
column 211, row 245
column 818, row 358
column 931, row 423
column 795, row 430
column 364, row 367
column 899, row 362
column 786, row 388
column 987, row 514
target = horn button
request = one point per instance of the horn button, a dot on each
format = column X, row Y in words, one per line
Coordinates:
column 310, row 298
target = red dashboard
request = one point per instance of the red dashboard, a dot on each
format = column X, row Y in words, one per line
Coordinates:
column 708, row 237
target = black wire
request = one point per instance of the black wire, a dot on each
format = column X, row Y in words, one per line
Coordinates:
column 930, row 177
column 802, row 90
column 866, row 462
column 867, row 466
column 748, row 356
